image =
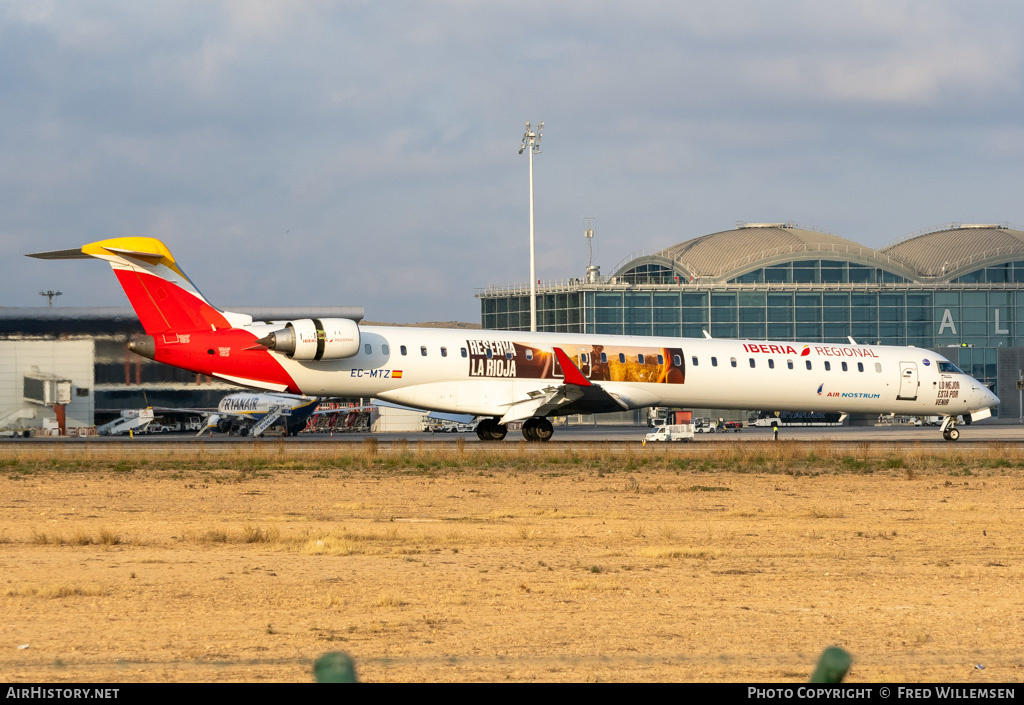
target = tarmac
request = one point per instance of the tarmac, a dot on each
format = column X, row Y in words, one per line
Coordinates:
column 987, row 431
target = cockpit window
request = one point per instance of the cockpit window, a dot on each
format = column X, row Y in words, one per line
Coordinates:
column 948, row 367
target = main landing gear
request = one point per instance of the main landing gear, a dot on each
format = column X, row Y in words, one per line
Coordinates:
column 491, row 430
column 535, row 429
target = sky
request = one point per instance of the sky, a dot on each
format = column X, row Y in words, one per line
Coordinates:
column 323, row 153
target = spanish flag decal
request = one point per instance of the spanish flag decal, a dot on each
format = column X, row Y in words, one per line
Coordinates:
column 396, row 374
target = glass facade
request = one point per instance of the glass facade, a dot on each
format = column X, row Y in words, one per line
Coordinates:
column 817, row 272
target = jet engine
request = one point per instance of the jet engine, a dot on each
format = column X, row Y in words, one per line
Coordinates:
column 315, row 339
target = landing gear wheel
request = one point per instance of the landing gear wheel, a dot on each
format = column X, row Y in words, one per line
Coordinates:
column 544, row 430
column 954, row 434
column 530, row 429
column 491, row 430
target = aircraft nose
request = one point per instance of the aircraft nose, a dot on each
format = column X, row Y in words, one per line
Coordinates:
column 983, row 397
column 990, row 398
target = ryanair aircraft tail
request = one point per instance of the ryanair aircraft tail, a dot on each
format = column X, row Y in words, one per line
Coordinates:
column 163, row 297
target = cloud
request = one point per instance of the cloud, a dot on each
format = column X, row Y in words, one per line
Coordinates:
column 361, row 149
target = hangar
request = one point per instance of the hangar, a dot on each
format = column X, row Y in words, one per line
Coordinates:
column 958, row 289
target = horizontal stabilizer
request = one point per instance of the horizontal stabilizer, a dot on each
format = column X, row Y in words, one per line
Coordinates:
column 61, row 254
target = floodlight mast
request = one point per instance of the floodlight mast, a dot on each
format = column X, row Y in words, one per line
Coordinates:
column 531, row 141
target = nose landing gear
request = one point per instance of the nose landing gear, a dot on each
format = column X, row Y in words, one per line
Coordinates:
column 949, row 429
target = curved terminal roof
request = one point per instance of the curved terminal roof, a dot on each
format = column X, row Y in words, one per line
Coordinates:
column 942, row 254
column 730, row 253
column 957, row 249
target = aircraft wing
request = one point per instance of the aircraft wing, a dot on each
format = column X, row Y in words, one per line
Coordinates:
column 186, row 410
column 576, row 388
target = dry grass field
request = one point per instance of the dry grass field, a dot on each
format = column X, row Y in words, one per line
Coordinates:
column 466, row 562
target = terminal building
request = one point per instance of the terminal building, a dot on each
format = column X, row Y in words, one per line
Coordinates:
column 958, row 290
column 74, row 363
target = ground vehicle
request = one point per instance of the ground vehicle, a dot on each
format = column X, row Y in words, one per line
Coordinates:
column 767, row 419
column 736, row 426
column 130, row 421
column 674, row 432
column 703, row 425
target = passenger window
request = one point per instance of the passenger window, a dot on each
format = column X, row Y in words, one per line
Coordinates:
column 423, row 350
column 714, row 362
column 808, row 364
column 828, row 366
column 604, row 357
column 489, row 353
column 529, row 354
column 679, row 361
column 751, row 363
column 508, row 355
column 693, row 359
column 732, row 361
column 640, row 358
column 845, row 367
column 464, row 353
column 771, row 364
column 444, row 352
column 661, row 359
column 789, row 364
column 402, row 348
column 583, row 358
column 386, row 349
column 368, row 349
column 860, row 366
column 622, row 358
column 878, row 367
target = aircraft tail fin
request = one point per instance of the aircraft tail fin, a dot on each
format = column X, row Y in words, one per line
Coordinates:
column 163, row 297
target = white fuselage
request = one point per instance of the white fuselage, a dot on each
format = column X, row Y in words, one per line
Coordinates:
column 483, row 372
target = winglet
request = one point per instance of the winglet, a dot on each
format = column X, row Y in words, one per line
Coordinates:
column 569, row 369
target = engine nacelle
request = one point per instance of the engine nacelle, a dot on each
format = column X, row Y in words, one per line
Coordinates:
column 315, row 339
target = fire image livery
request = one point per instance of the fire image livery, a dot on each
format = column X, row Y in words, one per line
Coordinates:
column 499, row 358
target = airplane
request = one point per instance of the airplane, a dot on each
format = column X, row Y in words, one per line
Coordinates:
column 518, row 376
column 252, row 413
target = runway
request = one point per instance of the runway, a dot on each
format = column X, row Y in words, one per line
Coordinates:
column 980, row 434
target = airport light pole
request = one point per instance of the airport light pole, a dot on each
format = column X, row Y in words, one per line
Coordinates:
column 531, row 141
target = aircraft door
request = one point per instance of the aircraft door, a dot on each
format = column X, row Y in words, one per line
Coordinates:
column 908, row 381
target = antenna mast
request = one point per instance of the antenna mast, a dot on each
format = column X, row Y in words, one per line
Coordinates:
column 588, row 232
